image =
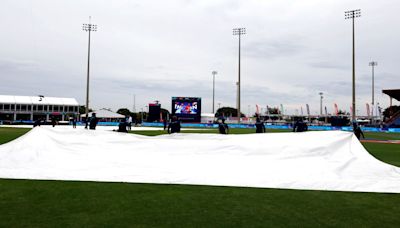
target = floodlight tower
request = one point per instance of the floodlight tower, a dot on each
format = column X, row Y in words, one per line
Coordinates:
column 88, row 28
column 320, row 103
column 134, row 103
column 213, row 106
column 239, row 32
column 352, row 14
column 373, row 64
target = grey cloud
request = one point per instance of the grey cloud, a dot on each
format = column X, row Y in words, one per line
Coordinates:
column 272, row 48
column 17, row 65
column 167, row 48
column 329, row 65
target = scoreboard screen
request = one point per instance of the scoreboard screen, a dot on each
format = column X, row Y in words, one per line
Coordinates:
column 187, row 109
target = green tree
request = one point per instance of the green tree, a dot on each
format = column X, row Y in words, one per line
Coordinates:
column 141, row 115
column 227, row 112
column 124, row 111
column 82, row 109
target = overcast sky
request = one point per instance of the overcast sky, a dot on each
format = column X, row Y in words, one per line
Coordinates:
column 293, row 49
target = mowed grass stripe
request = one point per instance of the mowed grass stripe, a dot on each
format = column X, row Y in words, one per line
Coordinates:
column 8, row 134
column 72, row 204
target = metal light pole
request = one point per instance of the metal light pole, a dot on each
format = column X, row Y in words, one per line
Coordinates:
column 351, row 15
column 239, row 32
column 134, row 103
column 373, row 64
column 320, row 103
column 88, row 28
column 213, row 106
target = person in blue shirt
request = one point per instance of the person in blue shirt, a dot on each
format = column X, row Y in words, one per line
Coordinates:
column 260, row 128
column 357, row 131
column 223, row 127
column 93, row 122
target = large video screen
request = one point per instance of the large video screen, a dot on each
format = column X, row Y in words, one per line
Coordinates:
column 187, row 109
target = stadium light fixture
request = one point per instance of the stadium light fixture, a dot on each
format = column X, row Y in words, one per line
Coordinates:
column 320, row 105
column 238, row 32
column 88, row 28
column 352, row 14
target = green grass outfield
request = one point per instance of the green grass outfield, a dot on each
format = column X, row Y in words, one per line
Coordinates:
column 25, row 203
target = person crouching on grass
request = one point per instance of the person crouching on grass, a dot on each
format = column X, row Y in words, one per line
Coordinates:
column 300, row 126
column 122, row 126
column 174, row 126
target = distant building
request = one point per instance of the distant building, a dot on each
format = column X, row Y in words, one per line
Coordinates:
column 31, row 108
column 207, row 118
column 105, row 115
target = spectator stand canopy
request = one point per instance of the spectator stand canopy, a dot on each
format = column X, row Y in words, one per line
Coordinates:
column 392, row 93
column 106, row 115
column 31, row 108
column 394, row 120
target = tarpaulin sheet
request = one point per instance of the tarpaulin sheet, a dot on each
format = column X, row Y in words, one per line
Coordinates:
column 332, row 160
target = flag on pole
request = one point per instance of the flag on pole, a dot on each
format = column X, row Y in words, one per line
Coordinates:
column 308, row 109
column 372, row 110
column 282, row 111
column 326, row 111
column 336, row 109
column 368, row 111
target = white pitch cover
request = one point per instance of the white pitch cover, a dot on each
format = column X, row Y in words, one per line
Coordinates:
column 328, row 160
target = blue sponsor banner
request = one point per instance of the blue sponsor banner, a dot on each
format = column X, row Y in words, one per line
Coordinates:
column 241, row 125
column 208, row 125
column 248, row 126
column 199, row 125
column 278, row 127
column 269, row 126
column 235, row 125
column 347, row 128
column 321, row 128
column 371, row 129
column 23, row 122
column 107, row 123
column 147, row 124
column 394, row 130
column 81, row 123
